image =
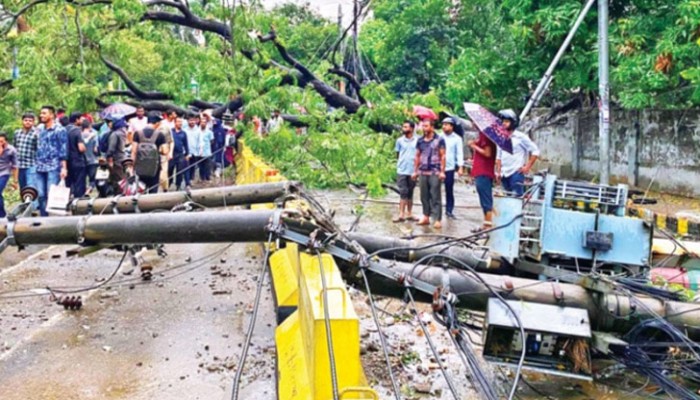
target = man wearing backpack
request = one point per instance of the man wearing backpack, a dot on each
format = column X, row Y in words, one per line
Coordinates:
column 146, row 150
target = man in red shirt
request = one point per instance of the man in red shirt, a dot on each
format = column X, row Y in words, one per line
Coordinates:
column 483, row 172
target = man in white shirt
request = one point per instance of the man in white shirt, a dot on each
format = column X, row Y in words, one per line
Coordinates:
column 512, row 168
column 194, row 140
column 137, row 123
column 454, row 162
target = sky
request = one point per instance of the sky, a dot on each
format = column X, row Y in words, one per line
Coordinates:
column 327, row 8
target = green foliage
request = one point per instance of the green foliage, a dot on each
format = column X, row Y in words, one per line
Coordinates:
column 494, row 52
column 436, row 53
column 330, row 160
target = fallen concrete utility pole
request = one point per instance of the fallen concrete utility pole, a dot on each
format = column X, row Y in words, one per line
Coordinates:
column 609, row 311
column 266, row 193
column 383, row 246
column 151, row 228
column 212, row 197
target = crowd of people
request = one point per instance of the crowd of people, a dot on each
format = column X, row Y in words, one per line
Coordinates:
column 165, row 151
column 145, row 153
column 431, row 160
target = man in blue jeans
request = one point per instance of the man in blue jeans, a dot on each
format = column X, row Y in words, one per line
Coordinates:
column 25, row 142
column 512, row 168
column 8, row 168
column 51, row 155
column 454, row 162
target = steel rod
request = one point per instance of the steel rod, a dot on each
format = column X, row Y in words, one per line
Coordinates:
column 547, row 78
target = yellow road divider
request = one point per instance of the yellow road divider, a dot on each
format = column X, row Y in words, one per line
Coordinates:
column 303, row 358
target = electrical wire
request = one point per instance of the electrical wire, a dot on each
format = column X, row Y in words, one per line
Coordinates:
column 382, row 339
column 329, row 334
column 99, row 285
column 251, row 324
column 496, row 294
column 198, row 263
column 428, row 338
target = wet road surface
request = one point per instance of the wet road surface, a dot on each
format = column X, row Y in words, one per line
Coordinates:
column 179, row 336
column 176, row 337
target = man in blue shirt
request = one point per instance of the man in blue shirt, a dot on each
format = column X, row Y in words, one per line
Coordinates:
column 406, row 154
column 51, row 155
column 181, row 154
column 454, row 159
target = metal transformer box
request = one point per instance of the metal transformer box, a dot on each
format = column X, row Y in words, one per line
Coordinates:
column 558, row 339
column 574, row 220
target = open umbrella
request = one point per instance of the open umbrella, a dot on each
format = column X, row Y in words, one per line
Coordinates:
column 490, row 125
column 423, row 113
column 117, row 110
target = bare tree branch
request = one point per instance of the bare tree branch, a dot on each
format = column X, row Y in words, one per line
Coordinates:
column 332, row 96
column 126, row 93
column 351, row 78
column 141, row 94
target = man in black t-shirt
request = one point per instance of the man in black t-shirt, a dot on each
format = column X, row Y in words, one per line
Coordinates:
column 151, row 172
column 77, row 165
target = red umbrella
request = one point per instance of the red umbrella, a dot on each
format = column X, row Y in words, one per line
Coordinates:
column 424, row 113
column 490, row 125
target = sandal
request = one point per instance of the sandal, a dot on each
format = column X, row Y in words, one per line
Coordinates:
column 398, row 219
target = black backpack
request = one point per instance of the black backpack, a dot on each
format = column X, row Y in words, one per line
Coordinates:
column 147, row 156
column 103, row 142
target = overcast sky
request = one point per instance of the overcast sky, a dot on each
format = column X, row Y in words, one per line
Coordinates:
column 327, row 8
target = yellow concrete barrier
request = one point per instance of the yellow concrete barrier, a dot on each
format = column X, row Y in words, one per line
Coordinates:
column 303, row 362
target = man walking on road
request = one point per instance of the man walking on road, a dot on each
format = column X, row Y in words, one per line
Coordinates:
column 25, row 142
column 406, row 154
column 149, row 145
column 8, row 168
column 454, row 162
column 512, row 168
column 51, row 156
column 430, row 165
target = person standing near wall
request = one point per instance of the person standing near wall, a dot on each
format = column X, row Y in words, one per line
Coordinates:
column 454, row 162
column 430, row 166
column 512, row 168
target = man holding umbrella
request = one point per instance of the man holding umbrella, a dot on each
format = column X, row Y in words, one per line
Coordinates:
column 483, row 164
